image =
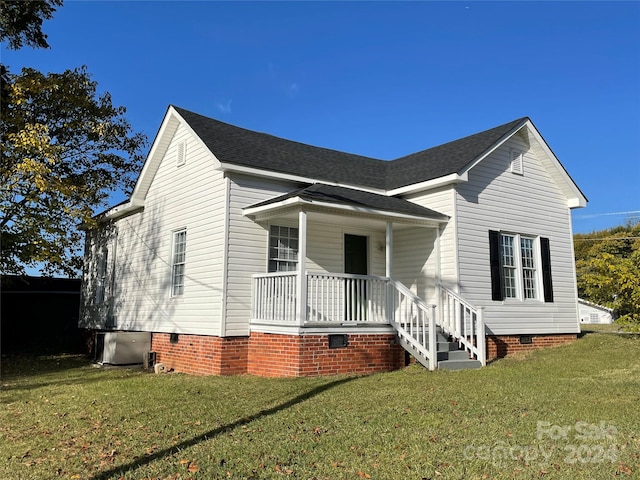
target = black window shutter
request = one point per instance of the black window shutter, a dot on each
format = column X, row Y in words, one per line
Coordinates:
column 545, row 253
column 494, row 260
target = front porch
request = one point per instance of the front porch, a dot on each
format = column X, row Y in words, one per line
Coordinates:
column 345, row 262
column 334, row 304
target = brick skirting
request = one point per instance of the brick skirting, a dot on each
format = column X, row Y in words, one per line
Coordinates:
column 201, row 354
column 499, row 346
column 275, row 355
column 279, row 355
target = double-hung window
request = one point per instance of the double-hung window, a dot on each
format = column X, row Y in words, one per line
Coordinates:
column 101, row 276
column 283, row 249
column 178, row 262
column 520, row 267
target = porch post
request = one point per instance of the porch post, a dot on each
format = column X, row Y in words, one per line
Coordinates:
column 389, row 250
column 439, row 300
column 301, row 283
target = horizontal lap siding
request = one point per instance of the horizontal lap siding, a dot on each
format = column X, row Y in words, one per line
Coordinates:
column 247, row 251
column 192, row 197
column 442, row 200
column 414, row 260
column 496, row 199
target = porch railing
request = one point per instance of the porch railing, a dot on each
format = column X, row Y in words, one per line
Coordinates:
column 331, row 297
column 464, row 322
column 352, row 299
column 415, row 323
column 274, row 297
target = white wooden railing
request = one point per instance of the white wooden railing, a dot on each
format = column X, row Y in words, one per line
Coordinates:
column 331, row 297
column 353, row 299
column 464, row 322
column 346, row 298
column 274, row 297
column 415, row 323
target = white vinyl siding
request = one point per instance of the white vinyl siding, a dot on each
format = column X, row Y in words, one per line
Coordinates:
column 442, row 200
column 533, row 206
column 192, row 195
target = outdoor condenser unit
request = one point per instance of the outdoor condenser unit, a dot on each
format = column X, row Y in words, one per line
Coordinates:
column 122, row 348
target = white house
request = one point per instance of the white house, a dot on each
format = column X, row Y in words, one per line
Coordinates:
column 593, row 313
column 241, row 252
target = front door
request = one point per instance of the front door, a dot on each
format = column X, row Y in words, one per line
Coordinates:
column 356, row 262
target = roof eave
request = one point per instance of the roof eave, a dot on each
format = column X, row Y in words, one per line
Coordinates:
column 450, row 179
column 228, row 167
column 264, row 211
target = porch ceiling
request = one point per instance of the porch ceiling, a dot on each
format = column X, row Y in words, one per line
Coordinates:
column 331, row 201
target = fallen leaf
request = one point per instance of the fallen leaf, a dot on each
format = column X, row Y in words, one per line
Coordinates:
column 184, row 461
column 193, row 467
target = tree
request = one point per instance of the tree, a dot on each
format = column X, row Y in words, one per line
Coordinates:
column 608, row 270
column 65, row 150
column 21, row 21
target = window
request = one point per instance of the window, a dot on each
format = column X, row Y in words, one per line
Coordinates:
column 182, row 153
column 283, row 249
column 178, row 262
column 102, row 276
column 520, row 265
column 517, row 162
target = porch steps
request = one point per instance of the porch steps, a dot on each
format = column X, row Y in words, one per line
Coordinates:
column 449, row 356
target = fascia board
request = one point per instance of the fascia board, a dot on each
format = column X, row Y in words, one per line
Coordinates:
column 258, row 172
column 429, row 184
column 495, row 146
column 575, row 197
column 297, row 201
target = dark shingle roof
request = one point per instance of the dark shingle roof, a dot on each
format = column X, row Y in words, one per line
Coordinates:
column 448, row 158
column 349, row 196
column 235, row 145
column 238, row 146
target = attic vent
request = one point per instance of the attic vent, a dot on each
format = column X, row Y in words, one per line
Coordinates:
column 517, row 162
column 182, row 153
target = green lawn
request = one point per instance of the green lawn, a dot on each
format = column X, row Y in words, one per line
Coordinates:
column 569, row 412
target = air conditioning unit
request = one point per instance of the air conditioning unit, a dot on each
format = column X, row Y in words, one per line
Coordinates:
column 122, row 348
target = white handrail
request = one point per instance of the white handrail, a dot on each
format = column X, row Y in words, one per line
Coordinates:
column 414, row 321
column 464, row 322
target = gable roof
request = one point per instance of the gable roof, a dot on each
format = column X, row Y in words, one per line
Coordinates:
column 239, row 146
column 319, row 193
column 451, row 157
column 241, row 150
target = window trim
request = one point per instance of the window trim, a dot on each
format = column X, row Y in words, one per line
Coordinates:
column 102, row 276
column 282, row 261
column 542, row 266
column 177, row 263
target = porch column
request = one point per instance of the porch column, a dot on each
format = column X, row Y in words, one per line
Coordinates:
column 301, row 285
column 389, row 250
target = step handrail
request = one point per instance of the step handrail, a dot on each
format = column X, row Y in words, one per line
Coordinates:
column 414, row 321
column 464, row 322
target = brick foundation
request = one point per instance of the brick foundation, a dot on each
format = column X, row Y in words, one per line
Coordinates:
column 201, row 354
column 499, row 346
column 274, row 355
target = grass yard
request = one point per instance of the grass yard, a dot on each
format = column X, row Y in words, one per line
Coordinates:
column 570, row 412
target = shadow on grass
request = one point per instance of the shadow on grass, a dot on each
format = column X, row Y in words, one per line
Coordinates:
column 142, row 461
column 22, row 372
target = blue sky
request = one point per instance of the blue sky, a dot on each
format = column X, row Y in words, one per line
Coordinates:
column 382, row 79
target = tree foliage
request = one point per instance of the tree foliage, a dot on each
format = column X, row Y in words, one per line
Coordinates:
column 65, row 150
column 608, row 270
column 21, row 21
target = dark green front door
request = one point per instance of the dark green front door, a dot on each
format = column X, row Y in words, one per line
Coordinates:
column 355, row 254
column 356, row 262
